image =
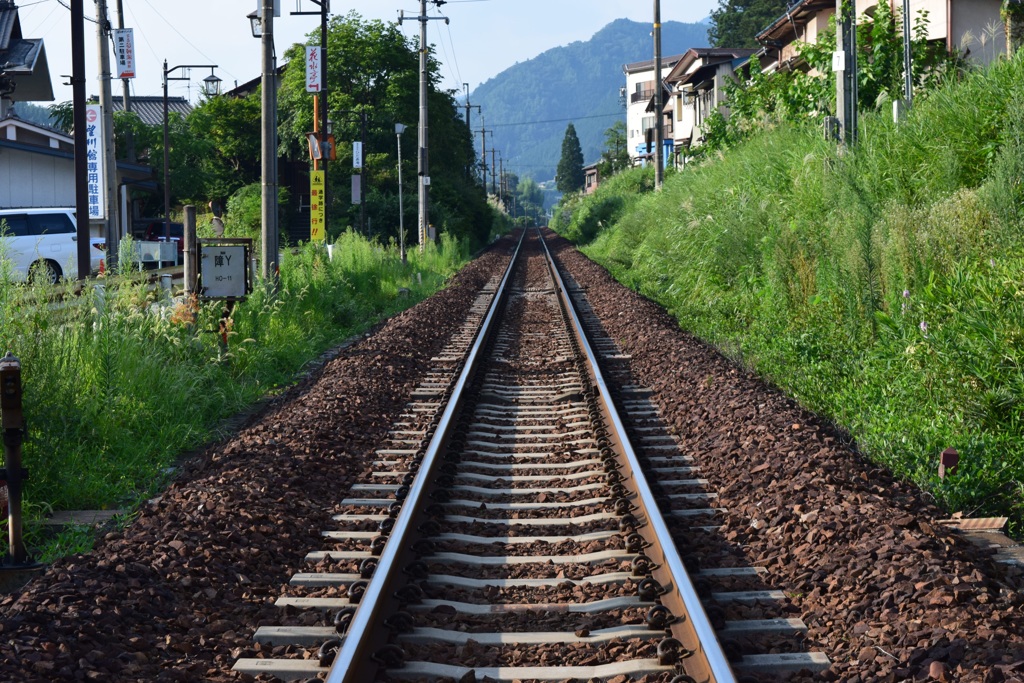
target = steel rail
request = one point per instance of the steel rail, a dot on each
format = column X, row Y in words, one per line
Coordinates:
column 353, row 654
column 698, row 619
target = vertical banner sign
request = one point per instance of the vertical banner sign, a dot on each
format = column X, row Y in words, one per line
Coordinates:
column 317, row 211
column 357, row 155
column 94, row 161
column 356, row 184
column 314, row 69
column 124, row 52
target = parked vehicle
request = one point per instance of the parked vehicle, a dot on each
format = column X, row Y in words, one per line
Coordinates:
column 42, row 243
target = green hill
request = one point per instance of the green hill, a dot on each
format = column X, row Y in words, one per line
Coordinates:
column 529, row 105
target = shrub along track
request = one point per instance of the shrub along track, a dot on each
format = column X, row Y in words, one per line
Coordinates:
column 887, row 592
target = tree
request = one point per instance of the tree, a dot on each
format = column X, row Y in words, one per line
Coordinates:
column 1013, row 14
column 736, row 22
column 373, row 69
column 616, row 151
column 569, row 176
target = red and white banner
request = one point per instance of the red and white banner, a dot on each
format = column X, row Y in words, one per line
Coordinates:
column 314, row 69
column 124, row 52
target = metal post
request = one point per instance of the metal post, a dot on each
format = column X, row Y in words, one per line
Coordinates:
column 483, row 152
column 191, row 251
column 659, row 134
column 363, row 176
column 12, row 421
column 111, row 233
column 81, row 149
column 269, row 151
column 399, row 129
column 908, row 64
column 167, row 165
column 845, row 65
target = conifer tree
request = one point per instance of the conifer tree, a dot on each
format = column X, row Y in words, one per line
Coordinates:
column 569, row 175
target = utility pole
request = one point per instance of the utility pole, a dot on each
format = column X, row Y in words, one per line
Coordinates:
column 659, row 134
column 483, row 147
column 125, row 94
column 844, row 63
column 363, row 175
column 423, row 165
column 468, row 126
column 111, row 228
column 501, row 180
column 269, row 150
column 494, row 167
column 81, row 149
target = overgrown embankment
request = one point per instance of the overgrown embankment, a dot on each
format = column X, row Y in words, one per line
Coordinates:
column 118, row 383
column 883, row 286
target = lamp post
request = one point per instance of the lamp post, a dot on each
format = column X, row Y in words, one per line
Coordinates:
column 211, row 86
column 399, row 129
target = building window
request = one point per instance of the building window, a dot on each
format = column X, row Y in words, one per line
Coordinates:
column 648, row 123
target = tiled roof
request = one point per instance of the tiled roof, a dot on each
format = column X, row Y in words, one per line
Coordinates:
column 150, row 108
column 9, row 25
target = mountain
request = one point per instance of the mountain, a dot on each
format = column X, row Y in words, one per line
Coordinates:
column 529, row 105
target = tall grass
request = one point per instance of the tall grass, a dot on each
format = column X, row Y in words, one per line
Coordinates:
column 881, row 286
column 119, row 381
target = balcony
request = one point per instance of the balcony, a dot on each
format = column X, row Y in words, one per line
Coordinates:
column 642, row 96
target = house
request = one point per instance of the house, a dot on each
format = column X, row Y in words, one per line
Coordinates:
column 39, row 163
column 639, row 93
column 697, row 88
column 974, row 27
column 24, row 72
column 591, row 179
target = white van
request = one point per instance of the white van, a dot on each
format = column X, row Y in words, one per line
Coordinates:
column 43, row 243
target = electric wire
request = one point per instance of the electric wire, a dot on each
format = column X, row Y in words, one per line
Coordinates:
column 571, row 118
column 185, row 38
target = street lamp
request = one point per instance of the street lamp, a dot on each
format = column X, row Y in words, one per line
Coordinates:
column 211, row 86
column 256, row 24
column 399, row 129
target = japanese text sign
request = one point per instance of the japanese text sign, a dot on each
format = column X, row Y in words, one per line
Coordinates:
column 94, row 155
column 124, row 52
column 314, row 69
column 317, row 211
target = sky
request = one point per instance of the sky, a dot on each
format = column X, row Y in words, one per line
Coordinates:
column 483, row 38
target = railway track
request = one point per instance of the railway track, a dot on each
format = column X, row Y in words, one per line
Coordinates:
column 510, row 531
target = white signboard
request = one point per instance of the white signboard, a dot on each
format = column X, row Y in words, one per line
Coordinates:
column 357, row 155
column 314, row 69
column 124, row 52
column 94, row 156
column 223, row 269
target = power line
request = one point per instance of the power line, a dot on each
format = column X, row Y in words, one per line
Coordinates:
column 185, row 38
column 573, row 118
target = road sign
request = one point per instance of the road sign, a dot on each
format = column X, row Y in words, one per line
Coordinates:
column 317, row 210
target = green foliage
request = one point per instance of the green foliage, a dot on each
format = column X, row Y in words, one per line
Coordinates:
column 615, row 155
column 760, row 100
column 736, row 23
column 374, row 70
column 569, row 176
column 231, row 157
column 880, row 286
column 581, row 218
column 121, row 381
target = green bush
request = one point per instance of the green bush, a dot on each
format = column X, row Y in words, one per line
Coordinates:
column 878, row 285
column 121, row 380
